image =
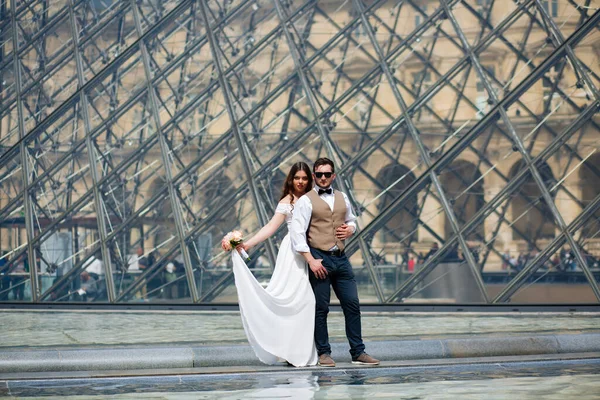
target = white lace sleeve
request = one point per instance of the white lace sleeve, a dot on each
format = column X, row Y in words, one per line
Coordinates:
column 283, row 208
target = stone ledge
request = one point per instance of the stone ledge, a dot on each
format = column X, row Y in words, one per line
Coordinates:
column 163, row 357
column 97, row 360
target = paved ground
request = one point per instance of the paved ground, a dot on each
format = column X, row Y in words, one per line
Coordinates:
column 59, row 341
column 47, row 328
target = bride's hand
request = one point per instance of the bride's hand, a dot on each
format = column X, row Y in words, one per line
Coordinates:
column 317, row 268
column 243, row 246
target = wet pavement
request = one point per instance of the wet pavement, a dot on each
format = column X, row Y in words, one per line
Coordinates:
column 47, row 328
column 564, row 379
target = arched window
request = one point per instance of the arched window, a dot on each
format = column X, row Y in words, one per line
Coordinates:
column 463, row 186
column 532, row 219
column 402, row 226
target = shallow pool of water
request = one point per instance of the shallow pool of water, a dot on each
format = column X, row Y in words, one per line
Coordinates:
column 574, row 379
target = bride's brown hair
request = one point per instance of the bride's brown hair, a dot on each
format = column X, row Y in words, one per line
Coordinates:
column 288, row 186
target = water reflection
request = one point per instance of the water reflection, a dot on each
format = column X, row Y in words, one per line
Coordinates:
column 299, row 387
column 531, row 380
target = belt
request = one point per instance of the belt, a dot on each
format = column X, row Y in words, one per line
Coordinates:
column 335, row 253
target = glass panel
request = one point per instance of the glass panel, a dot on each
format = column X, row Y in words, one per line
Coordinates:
column 457, row 196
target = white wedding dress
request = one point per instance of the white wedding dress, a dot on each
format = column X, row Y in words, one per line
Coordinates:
column 279, row 320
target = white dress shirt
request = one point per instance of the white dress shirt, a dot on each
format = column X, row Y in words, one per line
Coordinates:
column 95, row 266
column 133, row 262
column 302, row 215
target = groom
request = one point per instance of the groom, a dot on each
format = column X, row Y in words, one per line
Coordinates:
column 322, row 221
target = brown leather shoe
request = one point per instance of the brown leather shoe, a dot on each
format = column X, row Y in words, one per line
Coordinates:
column 365, row 359
column 325, row 360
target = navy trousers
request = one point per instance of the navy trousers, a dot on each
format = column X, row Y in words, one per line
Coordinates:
column 341, row 278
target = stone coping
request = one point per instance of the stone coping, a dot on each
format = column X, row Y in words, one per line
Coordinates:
column 167, row 357
column 240, row 370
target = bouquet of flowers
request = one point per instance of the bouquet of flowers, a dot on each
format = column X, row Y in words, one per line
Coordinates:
column 232, row 240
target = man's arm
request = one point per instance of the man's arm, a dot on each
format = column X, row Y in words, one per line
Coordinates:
column 349, row 227
column 298, row 228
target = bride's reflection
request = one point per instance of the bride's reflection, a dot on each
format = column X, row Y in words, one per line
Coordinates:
column 297, row 386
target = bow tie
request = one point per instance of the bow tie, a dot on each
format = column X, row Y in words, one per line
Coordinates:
column 328, row 191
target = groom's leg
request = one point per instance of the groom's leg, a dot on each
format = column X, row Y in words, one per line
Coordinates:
column 322, row 290
column 344, row 286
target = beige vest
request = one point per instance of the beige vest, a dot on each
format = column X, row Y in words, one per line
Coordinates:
column 323, row 222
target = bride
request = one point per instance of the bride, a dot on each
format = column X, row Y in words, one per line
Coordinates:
column 279, row 320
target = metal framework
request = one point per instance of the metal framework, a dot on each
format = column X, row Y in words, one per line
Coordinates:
column 134, row 134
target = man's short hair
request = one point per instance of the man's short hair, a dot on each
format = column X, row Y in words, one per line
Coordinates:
column 323, row 161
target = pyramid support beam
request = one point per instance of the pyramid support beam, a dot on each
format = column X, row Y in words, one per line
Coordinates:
column 535, row 173
column 332, row 152
column 91, row 152
column 24, row 154
column 259, row 206
column 164, row 150
column 423, row 153
column 405, row 289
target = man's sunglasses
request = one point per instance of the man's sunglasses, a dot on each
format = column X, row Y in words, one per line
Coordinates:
column 320, row 174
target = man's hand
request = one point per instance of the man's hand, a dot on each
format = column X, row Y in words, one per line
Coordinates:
column 344, row 231
column 317, row 268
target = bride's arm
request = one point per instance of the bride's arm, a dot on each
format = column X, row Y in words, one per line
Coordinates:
column 265, row 232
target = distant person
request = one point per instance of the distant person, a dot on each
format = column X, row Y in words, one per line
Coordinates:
column 170, row 290
column 451, row 256
column 555, row 262
column 139, row 263
column 505, row 260
column 155, row 281
column 4, row 277
column 88, row 288
column 411, row 264
column 567, row 259
column 476, row 253
column 521, row 261
column 143, row 261
column 95, row 267
column 514, row 262
column 19, row 274
column 434, row 248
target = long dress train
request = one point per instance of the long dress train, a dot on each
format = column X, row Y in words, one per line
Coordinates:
column 278, row 320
